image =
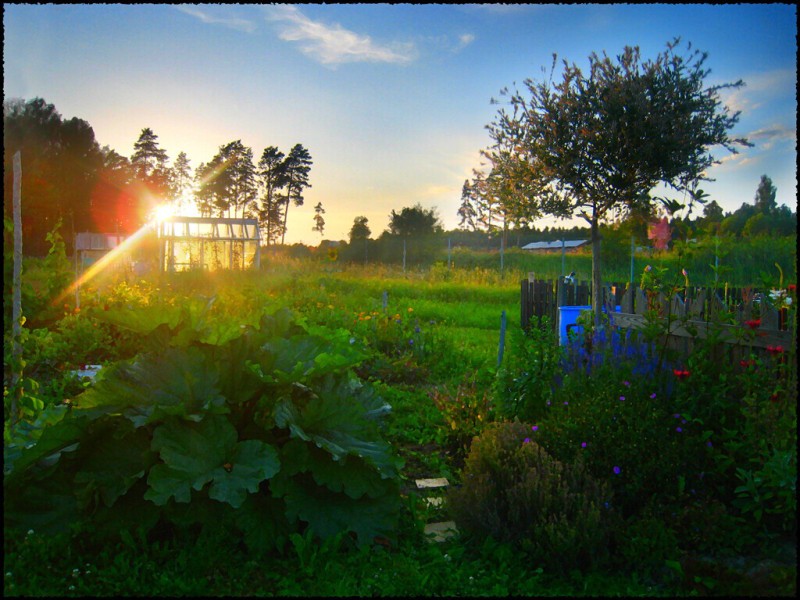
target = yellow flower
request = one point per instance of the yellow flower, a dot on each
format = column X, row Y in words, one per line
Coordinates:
column 410, row 309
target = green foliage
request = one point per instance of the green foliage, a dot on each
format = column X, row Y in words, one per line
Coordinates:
column 645, row 544
column 466, row 412
column 524, row 381
column 513, row 490
column 266, row 430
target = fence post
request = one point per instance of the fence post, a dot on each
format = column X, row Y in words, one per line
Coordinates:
column 16, row 300
column 502, row 338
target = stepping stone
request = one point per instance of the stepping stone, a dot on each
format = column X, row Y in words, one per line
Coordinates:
column 90, row 371
column 432, row 483
column 440, row 532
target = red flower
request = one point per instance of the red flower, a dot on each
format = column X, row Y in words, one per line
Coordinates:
column 680, row 374
column 774, row 398
column 775, row 349
column 747, row 363
column 792, row 287
column 754, row 324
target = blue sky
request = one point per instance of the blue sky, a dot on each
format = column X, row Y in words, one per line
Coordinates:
column 390, row 100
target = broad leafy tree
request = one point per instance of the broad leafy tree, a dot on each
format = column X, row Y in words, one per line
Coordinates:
column 297, row 167
column 61, row 163
column 360, row 230
column 414, row 221
column 765, row 196
column 596, row 144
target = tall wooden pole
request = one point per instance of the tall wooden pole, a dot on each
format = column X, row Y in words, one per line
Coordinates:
column 16, row 310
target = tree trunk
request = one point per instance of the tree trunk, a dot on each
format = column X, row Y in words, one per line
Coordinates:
column 285, row 215
column 597, row 293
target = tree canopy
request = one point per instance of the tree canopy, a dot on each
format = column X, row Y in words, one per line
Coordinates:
column 414, row 221
column 595, row 145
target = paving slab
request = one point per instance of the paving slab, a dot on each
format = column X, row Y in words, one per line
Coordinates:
column 432, row 483
column 440, row 532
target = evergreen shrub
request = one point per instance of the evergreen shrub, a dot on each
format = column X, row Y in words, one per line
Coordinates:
column 514, row 491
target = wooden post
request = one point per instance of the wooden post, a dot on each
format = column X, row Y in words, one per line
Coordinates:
column 502, row 338
column 16, row 308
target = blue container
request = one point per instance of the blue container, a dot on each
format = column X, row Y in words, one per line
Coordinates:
column 568, row 315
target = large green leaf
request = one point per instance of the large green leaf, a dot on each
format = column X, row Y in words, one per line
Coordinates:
column 191, row 453
column 340, row 424
column 351, row 475
column 251, row 463
column 112, row 461
column 302, row 358
column 262, row 519
column 177, row 382
column 195, row 454
column 62, row 436
column 329, row 513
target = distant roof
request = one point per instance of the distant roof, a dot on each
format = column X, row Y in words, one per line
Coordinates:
column 554, row 245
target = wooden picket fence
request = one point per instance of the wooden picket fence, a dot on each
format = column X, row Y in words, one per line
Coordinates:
column 759, row 328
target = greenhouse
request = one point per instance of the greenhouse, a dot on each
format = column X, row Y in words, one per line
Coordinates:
column 208, row 243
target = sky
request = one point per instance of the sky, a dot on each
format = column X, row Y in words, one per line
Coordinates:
column 390, row 100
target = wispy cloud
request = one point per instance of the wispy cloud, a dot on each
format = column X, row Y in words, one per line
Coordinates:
column 464, row 40
column 767, row 137
column 204, row 15
column 760, row 88
column 333, row 44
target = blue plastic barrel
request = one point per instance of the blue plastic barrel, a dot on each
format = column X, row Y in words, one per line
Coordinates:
column 568, row 315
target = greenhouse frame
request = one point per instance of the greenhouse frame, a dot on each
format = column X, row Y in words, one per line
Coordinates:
column 208, row 243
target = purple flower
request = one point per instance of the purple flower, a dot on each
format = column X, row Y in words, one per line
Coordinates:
column 677, row 416
column 626, row 383
column 617, row 470
column 653, row 395
column 622, row 398
column 583, row 444
column 535, row 428
column 411, row 342
column 565, row 403
column 678, row 429
column 526, row 441
column 709, row 444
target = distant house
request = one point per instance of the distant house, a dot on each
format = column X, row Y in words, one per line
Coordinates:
column 557, row 245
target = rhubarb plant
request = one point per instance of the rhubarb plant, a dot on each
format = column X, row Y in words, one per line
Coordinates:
column 260, row 428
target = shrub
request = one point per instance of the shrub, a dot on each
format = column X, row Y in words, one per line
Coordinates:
column 514, row 491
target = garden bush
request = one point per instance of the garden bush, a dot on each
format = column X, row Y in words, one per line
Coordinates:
column 514, row 491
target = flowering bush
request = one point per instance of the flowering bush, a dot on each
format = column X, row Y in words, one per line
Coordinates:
column 513, row 490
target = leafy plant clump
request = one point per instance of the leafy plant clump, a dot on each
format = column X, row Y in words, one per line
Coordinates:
column 261, row 430
column 514, row 491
